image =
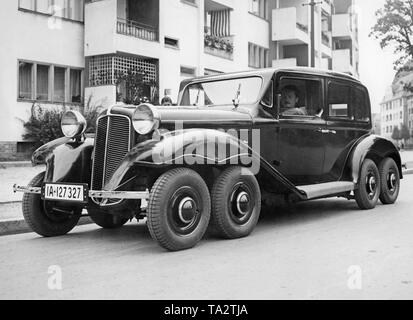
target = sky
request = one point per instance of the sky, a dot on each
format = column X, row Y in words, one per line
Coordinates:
column 376, row 64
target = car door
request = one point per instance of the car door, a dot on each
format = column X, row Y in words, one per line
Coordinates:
column 348, row 119
column 300, row 139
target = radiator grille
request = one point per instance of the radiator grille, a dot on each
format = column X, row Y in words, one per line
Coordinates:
column 112, row 142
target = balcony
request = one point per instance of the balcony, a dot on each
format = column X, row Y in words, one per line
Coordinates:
column 342, row 61
column 219, row 46
column 136, row 29
column 118, row 26
column 287, row 28
column 343, row 26
column 284, row 63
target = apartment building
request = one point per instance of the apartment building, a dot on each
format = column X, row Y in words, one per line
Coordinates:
column 397, row 107
column 69, row 52
column 335, row 35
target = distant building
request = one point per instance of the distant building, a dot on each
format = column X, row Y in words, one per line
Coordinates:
column 68, row 52
column 397, row 106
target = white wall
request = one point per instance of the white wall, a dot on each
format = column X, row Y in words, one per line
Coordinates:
column 33, row 37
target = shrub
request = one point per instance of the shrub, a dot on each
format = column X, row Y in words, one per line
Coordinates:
column 43, row 125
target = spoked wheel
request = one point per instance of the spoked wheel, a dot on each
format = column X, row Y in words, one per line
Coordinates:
column 179, row 209
column 44, row 217
column 236, row 203
column 390, row 181
column 369, row 188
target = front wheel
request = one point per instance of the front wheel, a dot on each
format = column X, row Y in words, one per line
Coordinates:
column 369, row 188
column 236, row 203
column 43, row 217
column 178, row 209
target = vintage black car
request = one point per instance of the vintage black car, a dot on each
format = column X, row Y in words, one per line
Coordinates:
column 234, row 141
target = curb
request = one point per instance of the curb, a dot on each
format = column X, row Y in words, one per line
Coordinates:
column 12, row 226
column 15, row 164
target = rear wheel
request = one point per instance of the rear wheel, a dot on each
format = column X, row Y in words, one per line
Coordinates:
column 368, row 191
column 390, row 181
column 236, row 203
column 178, row 209
column 45, row 217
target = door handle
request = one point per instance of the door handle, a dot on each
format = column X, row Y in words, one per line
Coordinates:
column 326, row 131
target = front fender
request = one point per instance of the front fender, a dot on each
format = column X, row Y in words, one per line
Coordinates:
column 199, row 147
column 66, row 160
column 374, row 147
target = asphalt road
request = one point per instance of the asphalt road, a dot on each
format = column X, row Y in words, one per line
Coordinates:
column 325, row 249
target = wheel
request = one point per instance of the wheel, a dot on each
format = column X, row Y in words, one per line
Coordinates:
column 236, row 203
column 390, row 181
column 105, row 219
column 43, row 217
column 368, row 191
column 179, row 209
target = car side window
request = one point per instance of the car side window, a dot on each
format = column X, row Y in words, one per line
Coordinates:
column 338, row 100
column 347, row 101
column 299, row 97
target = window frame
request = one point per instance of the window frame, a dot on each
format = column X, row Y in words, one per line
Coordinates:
column 67, row 92
column 280, row 77
column 53, row 14
column 352, row 86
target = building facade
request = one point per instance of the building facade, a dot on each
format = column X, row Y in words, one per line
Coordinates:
column 70, row 52
column 397, row 108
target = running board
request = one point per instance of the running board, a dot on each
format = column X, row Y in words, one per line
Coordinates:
column 314, row 191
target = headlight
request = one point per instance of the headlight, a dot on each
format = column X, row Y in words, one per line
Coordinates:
column 73, row 124
column 145, row 119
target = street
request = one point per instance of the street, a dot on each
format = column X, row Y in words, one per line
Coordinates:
column 310, row 251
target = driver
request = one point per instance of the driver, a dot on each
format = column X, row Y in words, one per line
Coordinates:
column 289, row 102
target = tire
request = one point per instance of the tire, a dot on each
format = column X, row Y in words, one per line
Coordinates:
column 42, row 218
column 174, row 226
column 231, row 217
column 390, row 181
column 368, row 191
column 105, row 219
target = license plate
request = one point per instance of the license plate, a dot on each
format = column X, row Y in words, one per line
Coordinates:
column 70, row 192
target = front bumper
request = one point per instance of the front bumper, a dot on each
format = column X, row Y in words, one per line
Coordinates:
column 143, row 195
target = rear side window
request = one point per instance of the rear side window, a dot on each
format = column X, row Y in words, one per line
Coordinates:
column 348, row 102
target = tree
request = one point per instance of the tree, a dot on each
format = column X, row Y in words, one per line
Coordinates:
column 394, row 27
column 396, row 134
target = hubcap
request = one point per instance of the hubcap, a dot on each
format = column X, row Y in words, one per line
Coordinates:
column 243, row 203
column 187, row 210
column 392, row 181
column 371, row 185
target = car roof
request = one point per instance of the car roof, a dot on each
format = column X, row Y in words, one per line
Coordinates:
column 268, row 72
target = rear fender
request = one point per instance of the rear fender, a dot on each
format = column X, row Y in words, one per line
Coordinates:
column 375, row 148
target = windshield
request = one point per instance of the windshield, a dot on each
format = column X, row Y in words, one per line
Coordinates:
column 244, row 90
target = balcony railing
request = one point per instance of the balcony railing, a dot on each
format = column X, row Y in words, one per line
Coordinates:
column 136, row 29
column 218, row 46
column 302, row 27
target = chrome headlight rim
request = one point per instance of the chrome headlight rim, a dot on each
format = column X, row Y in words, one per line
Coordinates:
column 78, row 124
column 145, row 119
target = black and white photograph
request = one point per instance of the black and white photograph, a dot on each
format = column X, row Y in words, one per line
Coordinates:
column 206, row 150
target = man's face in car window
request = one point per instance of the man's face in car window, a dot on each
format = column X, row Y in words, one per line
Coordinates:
column 289, row 99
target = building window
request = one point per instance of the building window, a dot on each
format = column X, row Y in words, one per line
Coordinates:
column 401, row 114
column 45, row 82
column 258, row 56
column 172, row 43
column 42, row 82
column 59, row 84
column 188, row 71
column 259, row 8
column 68, row 9
column 25, row 80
